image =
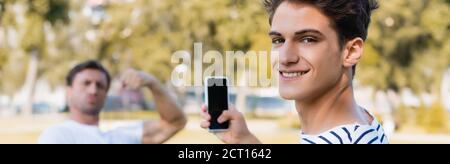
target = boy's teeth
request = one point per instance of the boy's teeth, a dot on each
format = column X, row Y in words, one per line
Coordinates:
column 293, row 74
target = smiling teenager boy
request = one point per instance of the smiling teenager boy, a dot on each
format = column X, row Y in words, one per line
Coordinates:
column 319, row 43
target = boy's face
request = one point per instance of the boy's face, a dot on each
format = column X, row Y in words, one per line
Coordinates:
column 310, row 59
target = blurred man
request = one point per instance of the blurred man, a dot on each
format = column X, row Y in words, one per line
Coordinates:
column 87, row 87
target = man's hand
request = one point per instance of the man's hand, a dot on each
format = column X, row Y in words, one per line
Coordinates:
column 133, row 79
column 237, row 133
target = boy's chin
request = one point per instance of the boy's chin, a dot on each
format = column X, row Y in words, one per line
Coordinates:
column 289, row 96
column 295, row 94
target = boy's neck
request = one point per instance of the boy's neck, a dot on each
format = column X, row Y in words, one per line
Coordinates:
column 333, row 108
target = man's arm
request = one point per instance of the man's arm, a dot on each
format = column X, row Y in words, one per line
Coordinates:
column 172, row 118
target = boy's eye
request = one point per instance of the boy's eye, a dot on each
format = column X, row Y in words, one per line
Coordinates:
column 308, row 40
column 277, row 41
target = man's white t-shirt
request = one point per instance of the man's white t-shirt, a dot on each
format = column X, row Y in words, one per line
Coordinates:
column 71, row 132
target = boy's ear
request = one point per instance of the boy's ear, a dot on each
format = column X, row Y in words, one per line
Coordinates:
column 353, row 52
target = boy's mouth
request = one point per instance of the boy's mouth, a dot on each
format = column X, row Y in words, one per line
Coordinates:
column 293, row 74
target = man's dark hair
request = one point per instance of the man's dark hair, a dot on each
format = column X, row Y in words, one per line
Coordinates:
column 351, row 18
column 91, row 64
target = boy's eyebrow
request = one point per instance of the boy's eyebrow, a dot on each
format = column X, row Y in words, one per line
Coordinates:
column 274, row 33
column 301, row 32
column 305, row 31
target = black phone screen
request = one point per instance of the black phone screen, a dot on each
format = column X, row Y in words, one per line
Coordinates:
column 217, row 101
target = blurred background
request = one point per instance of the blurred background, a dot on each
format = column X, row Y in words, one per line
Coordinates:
column 404, row 76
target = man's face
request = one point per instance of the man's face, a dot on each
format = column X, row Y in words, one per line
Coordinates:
column 88, row 91
column 310, row 59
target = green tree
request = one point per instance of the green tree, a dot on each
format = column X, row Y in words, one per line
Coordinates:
column 32, row 24
column 408, row 46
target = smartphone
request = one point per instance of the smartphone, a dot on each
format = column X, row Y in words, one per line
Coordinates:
column 216, row 99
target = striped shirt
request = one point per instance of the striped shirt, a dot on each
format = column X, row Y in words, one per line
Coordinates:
column 349, row 134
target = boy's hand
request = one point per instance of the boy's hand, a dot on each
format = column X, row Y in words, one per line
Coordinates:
column 237, row 133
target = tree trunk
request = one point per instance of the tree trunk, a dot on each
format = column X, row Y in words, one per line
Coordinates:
column 30, row 83
column 445, row 89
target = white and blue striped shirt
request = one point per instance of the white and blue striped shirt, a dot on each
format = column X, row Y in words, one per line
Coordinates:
column 349, row 134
